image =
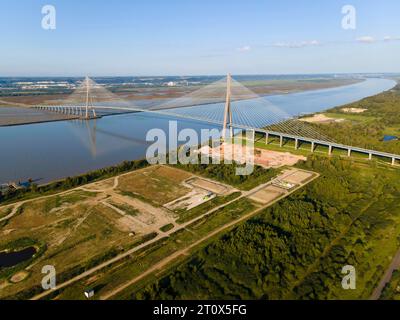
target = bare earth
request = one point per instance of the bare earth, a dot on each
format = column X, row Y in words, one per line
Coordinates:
column 354, row 110
column 320, row 118
column 261, row 157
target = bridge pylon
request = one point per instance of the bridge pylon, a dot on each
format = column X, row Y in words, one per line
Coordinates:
column 228, row 111
column 89, row 101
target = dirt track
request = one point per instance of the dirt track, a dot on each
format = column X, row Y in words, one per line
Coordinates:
column 157, row 238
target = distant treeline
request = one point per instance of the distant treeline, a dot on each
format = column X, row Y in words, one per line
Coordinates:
column 383, row 109
column 71, row 182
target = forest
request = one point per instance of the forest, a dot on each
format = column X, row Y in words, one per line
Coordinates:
column 296, row 249
column 382, row 117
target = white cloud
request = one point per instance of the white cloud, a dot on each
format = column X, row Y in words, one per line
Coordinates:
column 300, row 44
column 391, row 38
column 366, row 39
column 244, row 49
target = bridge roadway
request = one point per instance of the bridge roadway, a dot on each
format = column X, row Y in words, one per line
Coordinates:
column 267, row 133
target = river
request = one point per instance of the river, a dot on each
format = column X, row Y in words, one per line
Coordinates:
column 48, row 151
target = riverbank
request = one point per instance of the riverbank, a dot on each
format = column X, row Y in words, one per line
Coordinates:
column 367, row 129
column 17, row 116
column 55, row 150
column 18, row 110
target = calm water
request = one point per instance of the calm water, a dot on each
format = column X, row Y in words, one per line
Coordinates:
column 49, row 151
column 10, row 259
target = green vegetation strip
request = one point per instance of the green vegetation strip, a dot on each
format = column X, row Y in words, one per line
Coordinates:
column 35, row 191
column 296, row 249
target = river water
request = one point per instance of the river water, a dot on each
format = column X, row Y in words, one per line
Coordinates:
column 48, row 151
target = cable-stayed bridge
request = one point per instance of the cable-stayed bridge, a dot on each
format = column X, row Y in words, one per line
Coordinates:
column 225, row 103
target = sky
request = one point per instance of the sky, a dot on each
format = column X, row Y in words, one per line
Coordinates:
column 198, row 37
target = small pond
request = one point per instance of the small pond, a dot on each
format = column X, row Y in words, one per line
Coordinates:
column 10, row 259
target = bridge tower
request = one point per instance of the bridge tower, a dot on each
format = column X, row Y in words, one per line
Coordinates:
column 228, row 110
column 89, row 101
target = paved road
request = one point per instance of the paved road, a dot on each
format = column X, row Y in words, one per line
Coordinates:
column 133, row 250
column 186, row 250
column 167, row 234
column 395, row 265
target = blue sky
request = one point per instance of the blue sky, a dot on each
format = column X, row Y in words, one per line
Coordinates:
column 183, row 37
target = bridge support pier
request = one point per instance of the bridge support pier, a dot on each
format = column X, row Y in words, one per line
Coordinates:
column 370, row 156
column 281, row 141
column 296, row 144
column 393, row 161
column 266, row 138
column 312, row 146
column 349, row 153
column 253, row 135
column 330, row 150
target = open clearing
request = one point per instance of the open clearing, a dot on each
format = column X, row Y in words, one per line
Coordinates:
column 320, row 118
column 83, row 226
column 267, row 194
column 262, row 157
column 85, row 229
column 157, row 184
column 209, row 185
column 281, row 185
column 297, row 176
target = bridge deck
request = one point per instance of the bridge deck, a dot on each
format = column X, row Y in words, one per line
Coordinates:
column 243, row 127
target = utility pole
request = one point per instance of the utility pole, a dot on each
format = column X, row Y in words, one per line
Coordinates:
column 228, row 112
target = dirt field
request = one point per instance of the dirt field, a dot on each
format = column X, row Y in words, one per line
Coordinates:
column 191, row 200
column 79, row 229
column 157, row 184
column 92, row 220
column 202, row 190
column 210, row 186
column 261, row 157
column 297, row 176
column 281, row 185
column 320, row 118
column 267, row 194
column 354, row 110
column 20, row 276
column 74, row 227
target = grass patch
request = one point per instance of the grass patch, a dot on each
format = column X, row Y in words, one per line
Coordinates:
column 167, row 227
